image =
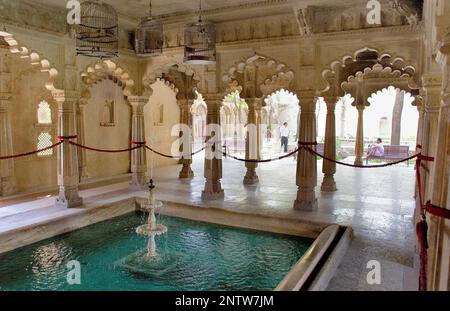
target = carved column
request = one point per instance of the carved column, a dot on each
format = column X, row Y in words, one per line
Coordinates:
column 329, row 168
column 252, row 150
column 68, row 177
column 213, row 160
column 186, row 171
column 7, row 181
column 138, row 156
column 82, row 164
column 359, row 145
column 306, row 178
column 432, row 86
column 439, row 228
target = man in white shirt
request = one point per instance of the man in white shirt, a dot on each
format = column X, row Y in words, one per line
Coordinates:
column 284, row 134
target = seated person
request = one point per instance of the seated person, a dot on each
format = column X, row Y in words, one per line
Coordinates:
column 376, row 150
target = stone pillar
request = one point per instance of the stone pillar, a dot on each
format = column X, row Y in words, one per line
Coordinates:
column 432, row 85
column 306, row 178
column 213, row 166
column 252, row 150
column 329, row 168
column 185, row 110
column 359, row 146
column 68, row 177
column 439, row 228
column 138, row 156
column 397, row 117
column 82, row 163
column 7, row 181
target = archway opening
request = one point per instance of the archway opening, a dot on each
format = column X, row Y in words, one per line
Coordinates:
column 281, row 107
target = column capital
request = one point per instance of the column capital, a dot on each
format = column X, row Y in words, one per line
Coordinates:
column 82, row 102
column 360, row 107
column 138, row 100
column 306, row 95
column 184, row 102
column 212, row 97
column 431, row 81
column 5, row 96
column 254, row 102
column 65, row 95
column 331, row 102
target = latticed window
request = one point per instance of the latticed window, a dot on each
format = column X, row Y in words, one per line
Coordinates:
column 44, row 141
column 44, row 113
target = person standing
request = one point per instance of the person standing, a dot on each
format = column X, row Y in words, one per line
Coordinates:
column 284, row 134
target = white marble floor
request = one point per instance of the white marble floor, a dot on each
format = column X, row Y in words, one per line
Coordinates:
column 377, row 203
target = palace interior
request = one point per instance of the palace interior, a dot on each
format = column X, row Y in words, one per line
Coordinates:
column 337, row 79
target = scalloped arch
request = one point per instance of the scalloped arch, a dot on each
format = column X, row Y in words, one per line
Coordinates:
column 35, row 59
column 386, row 59
column 151, row 77
column 276, row 76
column 107, row 69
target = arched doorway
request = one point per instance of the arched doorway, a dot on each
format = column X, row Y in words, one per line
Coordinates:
column 282, row 107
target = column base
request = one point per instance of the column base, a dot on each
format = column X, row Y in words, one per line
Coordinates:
column 186, row 173
column 328, row 184
column 7, row 187
column 213, row 191
column 251, row 179
column 358, row 162
column 209, row 196
column 64, row 202
column 305, row 205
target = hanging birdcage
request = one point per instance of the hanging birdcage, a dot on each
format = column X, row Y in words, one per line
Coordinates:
column 97, row 34
column 149, row 37
column 200, row 42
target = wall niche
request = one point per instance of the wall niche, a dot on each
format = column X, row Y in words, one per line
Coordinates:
column 107, row 116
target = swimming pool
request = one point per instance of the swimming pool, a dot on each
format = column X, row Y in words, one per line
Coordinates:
column 193, row 256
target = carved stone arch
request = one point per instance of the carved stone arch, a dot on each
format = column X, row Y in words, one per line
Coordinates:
column 257, row 76
column 367, row 82
column 183, row 77
column 107, row 69
column 36, row 61
column 169, row 84
column 350, row 64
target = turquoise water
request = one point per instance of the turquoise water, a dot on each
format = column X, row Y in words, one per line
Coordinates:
column 194, row 256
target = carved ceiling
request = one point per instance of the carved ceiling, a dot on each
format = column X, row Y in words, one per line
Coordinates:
column 220, row 11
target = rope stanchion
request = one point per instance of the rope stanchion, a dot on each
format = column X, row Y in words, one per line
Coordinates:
column 31, row 152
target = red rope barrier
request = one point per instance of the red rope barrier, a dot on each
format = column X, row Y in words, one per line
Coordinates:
column 360, row 166
column 170, row 156
column 265, row 160
column 437, row 211
column 62, row 138
column 31, row 152
column 104, row 150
